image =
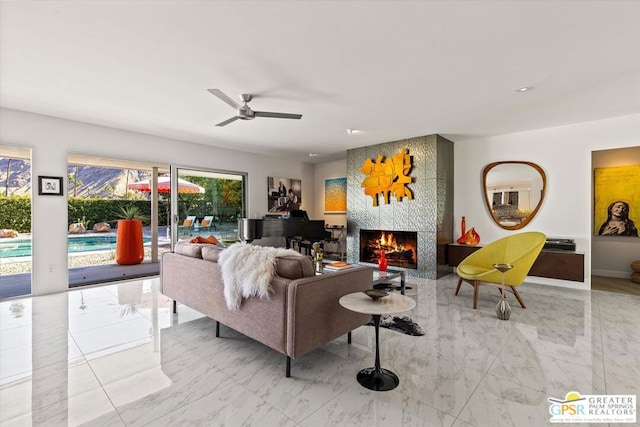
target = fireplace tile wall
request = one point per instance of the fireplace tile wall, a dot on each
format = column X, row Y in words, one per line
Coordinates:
column 429, row 213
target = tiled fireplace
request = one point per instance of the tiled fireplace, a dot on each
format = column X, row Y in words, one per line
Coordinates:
column 400, row 247
column 428, row 214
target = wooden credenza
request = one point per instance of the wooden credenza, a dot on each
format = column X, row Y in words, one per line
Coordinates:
column 553, row 264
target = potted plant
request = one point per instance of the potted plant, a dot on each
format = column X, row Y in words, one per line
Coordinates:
column 129, row 244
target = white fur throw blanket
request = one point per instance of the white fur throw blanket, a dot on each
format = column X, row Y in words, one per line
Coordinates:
column 247, row 271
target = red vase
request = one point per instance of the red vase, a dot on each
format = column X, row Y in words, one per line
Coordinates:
column 463, row 226
column 382, row 261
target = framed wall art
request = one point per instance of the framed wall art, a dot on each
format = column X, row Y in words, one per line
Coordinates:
column 50, row 185
column 335, row 195
column 283, row 194
column 616, row 201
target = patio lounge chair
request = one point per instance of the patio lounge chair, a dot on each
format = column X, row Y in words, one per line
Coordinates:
column 187, row 225
column 207, row 223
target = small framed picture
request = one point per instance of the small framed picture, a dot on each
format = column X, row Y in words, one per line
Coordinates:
column 50, row 185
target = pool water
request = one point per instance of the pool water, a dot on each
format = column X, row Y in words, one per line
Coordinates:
column 11, row 248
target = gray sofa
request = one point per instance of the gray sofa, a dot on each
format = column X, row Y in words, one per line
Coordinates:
column 301, row 314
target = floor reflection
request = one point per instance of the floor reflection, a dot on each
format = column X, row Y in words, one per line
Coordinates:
column 117, row 355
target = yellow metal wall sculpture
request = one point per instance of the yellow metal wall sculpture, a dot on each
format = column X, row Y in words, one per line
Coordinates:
column 387, row 177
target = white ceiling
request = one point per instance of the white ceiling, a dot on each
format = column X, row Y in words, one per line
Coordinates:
column 391, row 69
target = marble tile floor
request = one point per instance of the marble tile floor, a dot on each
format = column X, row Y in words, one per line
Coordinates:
column 115, row 355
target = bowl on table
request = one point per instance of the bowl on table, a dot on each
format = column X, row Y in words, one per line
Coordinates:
column 375, row 294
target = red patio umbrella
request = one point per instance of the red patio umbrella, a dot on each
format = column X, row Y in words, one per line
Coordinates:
column 164, row 186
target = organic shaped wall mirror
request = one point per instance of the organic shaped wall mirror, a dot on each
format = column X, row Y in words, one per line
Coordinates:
column 513, row 192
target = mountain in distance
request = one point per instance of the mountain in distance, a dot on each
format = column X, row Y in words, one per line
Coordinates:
column 82, row 181
column 19, row 180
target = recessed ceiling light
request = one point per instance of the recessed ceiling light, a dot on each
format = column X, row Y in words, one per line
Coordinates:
column 313, row 154
column 525, row 88
column 352, row 131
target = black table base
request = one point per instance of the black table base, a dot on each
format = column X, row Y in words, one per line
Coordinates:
column 378, row 379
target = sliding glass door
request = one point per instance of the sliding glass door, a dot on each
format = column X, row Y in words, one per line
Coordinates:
column 16, row 190
column 100, row 189
column 206, row 203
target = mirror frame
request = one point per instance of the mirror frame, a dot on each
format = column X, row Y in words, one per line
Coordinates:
column 488, row 203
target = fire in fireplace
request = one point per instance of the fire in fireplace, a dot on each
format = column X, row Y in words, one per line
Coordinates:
column 400, row 247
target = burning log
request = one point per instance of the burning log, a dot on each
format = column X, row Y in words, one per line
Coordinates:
column 400, row 250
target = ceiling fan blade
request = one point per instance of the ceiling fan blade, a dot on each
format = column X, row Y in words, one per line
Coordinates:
column 277, row 115
column 226, row 122
column 223, row 96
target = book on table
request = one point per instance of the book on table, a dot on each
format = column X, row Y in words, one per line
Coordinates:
column 338, row 265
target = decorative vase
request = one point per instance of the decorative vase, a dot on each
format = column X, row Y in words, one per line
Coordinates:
column 382, row 261
column 319, row 253
column 129, row 245
column 503, row 309
column 471, row 237
column 463, row 227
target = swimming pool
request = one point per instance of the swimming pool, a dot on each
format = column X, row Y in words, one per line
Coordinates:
column 13, row 248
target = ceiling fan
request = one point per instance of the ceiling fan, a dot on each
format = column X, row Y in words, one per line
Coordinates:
column 244, row 112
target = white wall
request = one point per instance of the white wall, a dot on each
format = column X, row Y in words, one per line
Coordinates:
column 335, row 169
column 564, row 153
column 51, row 139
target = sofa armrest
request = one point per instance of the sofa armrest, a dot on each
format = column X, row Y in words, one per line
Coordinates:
column 315, row 316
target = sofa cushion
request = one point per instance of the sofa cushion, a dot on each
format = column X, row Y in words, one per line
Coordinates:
column 200, row 239
column 211, row 252
column 193, row 250
column 294, row 267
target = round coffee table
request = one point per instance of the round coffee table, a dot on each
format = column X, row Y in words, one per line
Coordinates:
column 377, row 378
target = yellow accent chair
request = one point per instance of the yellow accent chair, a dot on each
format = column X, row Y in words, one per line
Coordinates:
column 521, row 250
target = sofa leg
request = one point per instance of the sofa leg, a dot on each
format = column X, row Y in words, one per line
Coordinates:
column 349, row 337
column 175, row 306
column 288, row 366
column 217, row 329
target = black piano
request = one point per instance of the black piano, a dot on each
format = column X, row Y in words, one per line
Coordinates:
column 299, row 228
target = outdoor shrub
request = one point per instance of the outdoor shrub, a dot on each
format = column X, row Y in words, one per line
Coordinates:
column 15, row 213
